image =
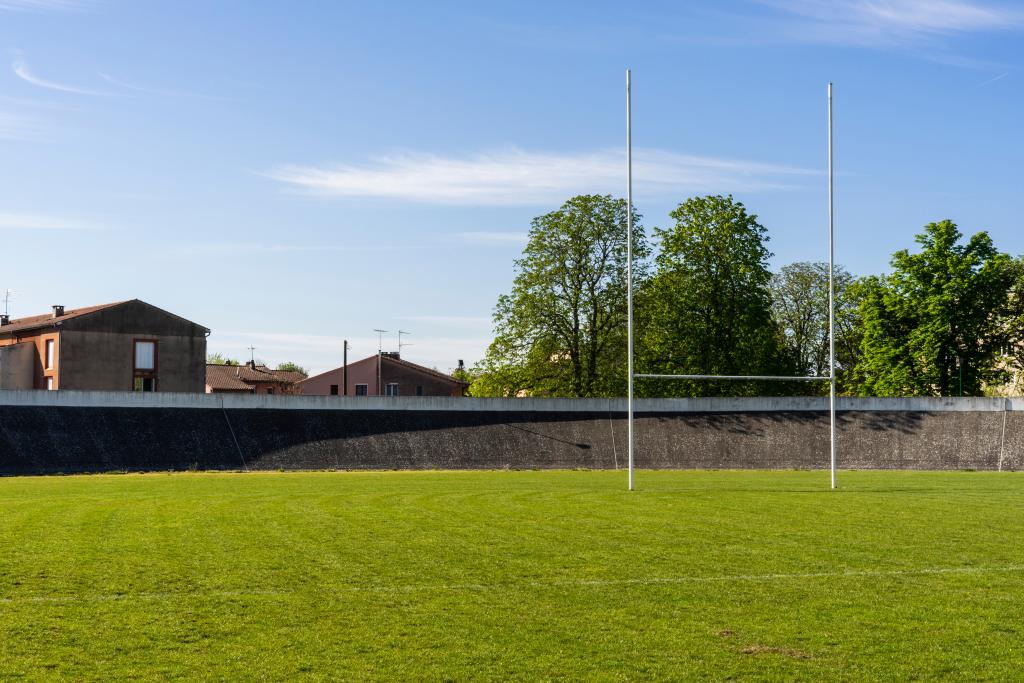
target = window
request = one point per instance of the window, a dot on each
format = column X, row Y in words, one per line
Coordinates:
column 391, row 390
column 419, row 391
column 270, row 390
column 49, row 354
column 361, row 390
column 144, row 384
column 145, row 355
column 334, row 390
column 49, row 384
column 144, row 365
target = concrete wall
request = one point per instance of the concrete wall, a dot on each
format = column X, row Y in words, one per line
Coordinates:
column 17, row 366
column 67, row 431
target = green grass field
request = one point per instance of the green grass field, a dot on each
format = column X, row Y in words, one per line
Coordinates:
column 521, row 575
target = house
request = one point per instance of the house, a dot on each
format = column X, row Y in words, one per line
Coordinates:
column 383, row 374
column 123, row 346
column 250, row 378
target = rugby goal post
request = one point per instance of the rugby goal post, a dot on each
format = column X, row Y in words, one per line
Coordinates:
column 633, row 375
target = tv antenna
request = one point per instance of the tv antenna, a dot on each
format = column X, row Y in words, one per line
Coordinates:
column 400, row 342
column 7, row 302
column 252, row 354
column 380, row 339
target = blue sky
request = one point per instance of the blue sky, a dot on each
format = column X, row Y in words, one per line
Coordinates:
column 292, row 174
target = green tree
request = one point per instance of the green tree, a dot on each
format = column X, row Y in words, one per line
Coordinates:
column 218, row 358
column 943, row 314
column 288, row 366
column 707, row 308
column 1012, row 356
column 561, row 330
column 800, row 305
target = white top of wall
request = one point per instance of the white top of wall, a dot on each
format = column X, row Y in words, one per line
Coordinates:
column 109, row 399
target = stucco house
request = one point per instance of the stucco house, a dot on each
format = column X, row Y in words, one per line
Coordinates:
column 122, row 346
column 383, row 374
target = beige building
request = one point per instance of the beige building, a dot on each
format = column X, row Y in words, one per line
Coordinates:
column 123, row 346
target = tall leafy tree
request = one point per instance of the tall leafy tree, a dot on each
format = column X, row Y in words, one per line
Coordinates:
column 1012, row 357
column 561, row 330
column 939, row 323
column 707, row 308
column 800, row 304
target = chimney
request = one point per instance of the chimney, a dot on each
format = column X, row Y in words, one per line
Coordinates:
column 4, row 319
column 58, row 311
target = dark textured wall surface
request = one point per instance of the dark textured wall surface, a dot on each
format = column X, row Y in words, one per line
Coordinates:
column 75, row 438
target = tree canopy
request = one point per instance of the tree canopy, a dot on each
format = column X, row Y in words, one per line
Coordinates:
column 800, row 304
column 561, row 330
column 707, row 307
column 938, row 323
column 289, row 366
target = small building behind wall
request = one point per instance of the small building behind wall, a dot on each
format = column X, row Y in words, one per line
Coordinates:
column 383, row 374
column 123, row 346
column 250, row 378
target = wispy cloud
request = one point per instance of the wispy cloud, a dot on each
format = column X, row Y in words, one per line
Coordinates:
column 17, row 127
column 494, row 238
column 994, row 79
column 22, row 71
column 454, row 320
column 248, row 247
column 518, row 177
column 165, row 92
column 893, row 22
column 43, row 5
column 35, row 221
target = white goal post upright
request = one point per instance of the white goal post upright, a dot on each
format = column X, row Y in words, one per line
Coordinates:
column 831, row 308
column 629, row 271
column 631, row 375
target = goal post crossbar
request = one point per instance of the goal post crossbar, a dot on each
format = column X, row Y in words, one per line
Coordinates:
column 741, row 378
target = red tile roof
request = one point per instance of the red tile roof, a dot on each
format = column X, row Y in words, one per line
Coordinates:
column 398, row 361
column 423, row 369
column 243, row 377
column 47, row 320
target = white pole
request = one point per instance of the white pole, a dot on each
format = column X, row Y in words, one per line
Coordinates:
column 831, row 306
column 629, row 274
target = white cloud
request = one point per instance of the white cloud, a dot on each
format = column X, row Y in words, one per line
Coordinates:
column 42, row 5
column 33, row 221
column 894, row 22
column 22, row 71
column 17, row 127
column 494, row 238
column 151, row 91
column 459, row 320
column 994, row 79
column 261, row 248
column 518, row 177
